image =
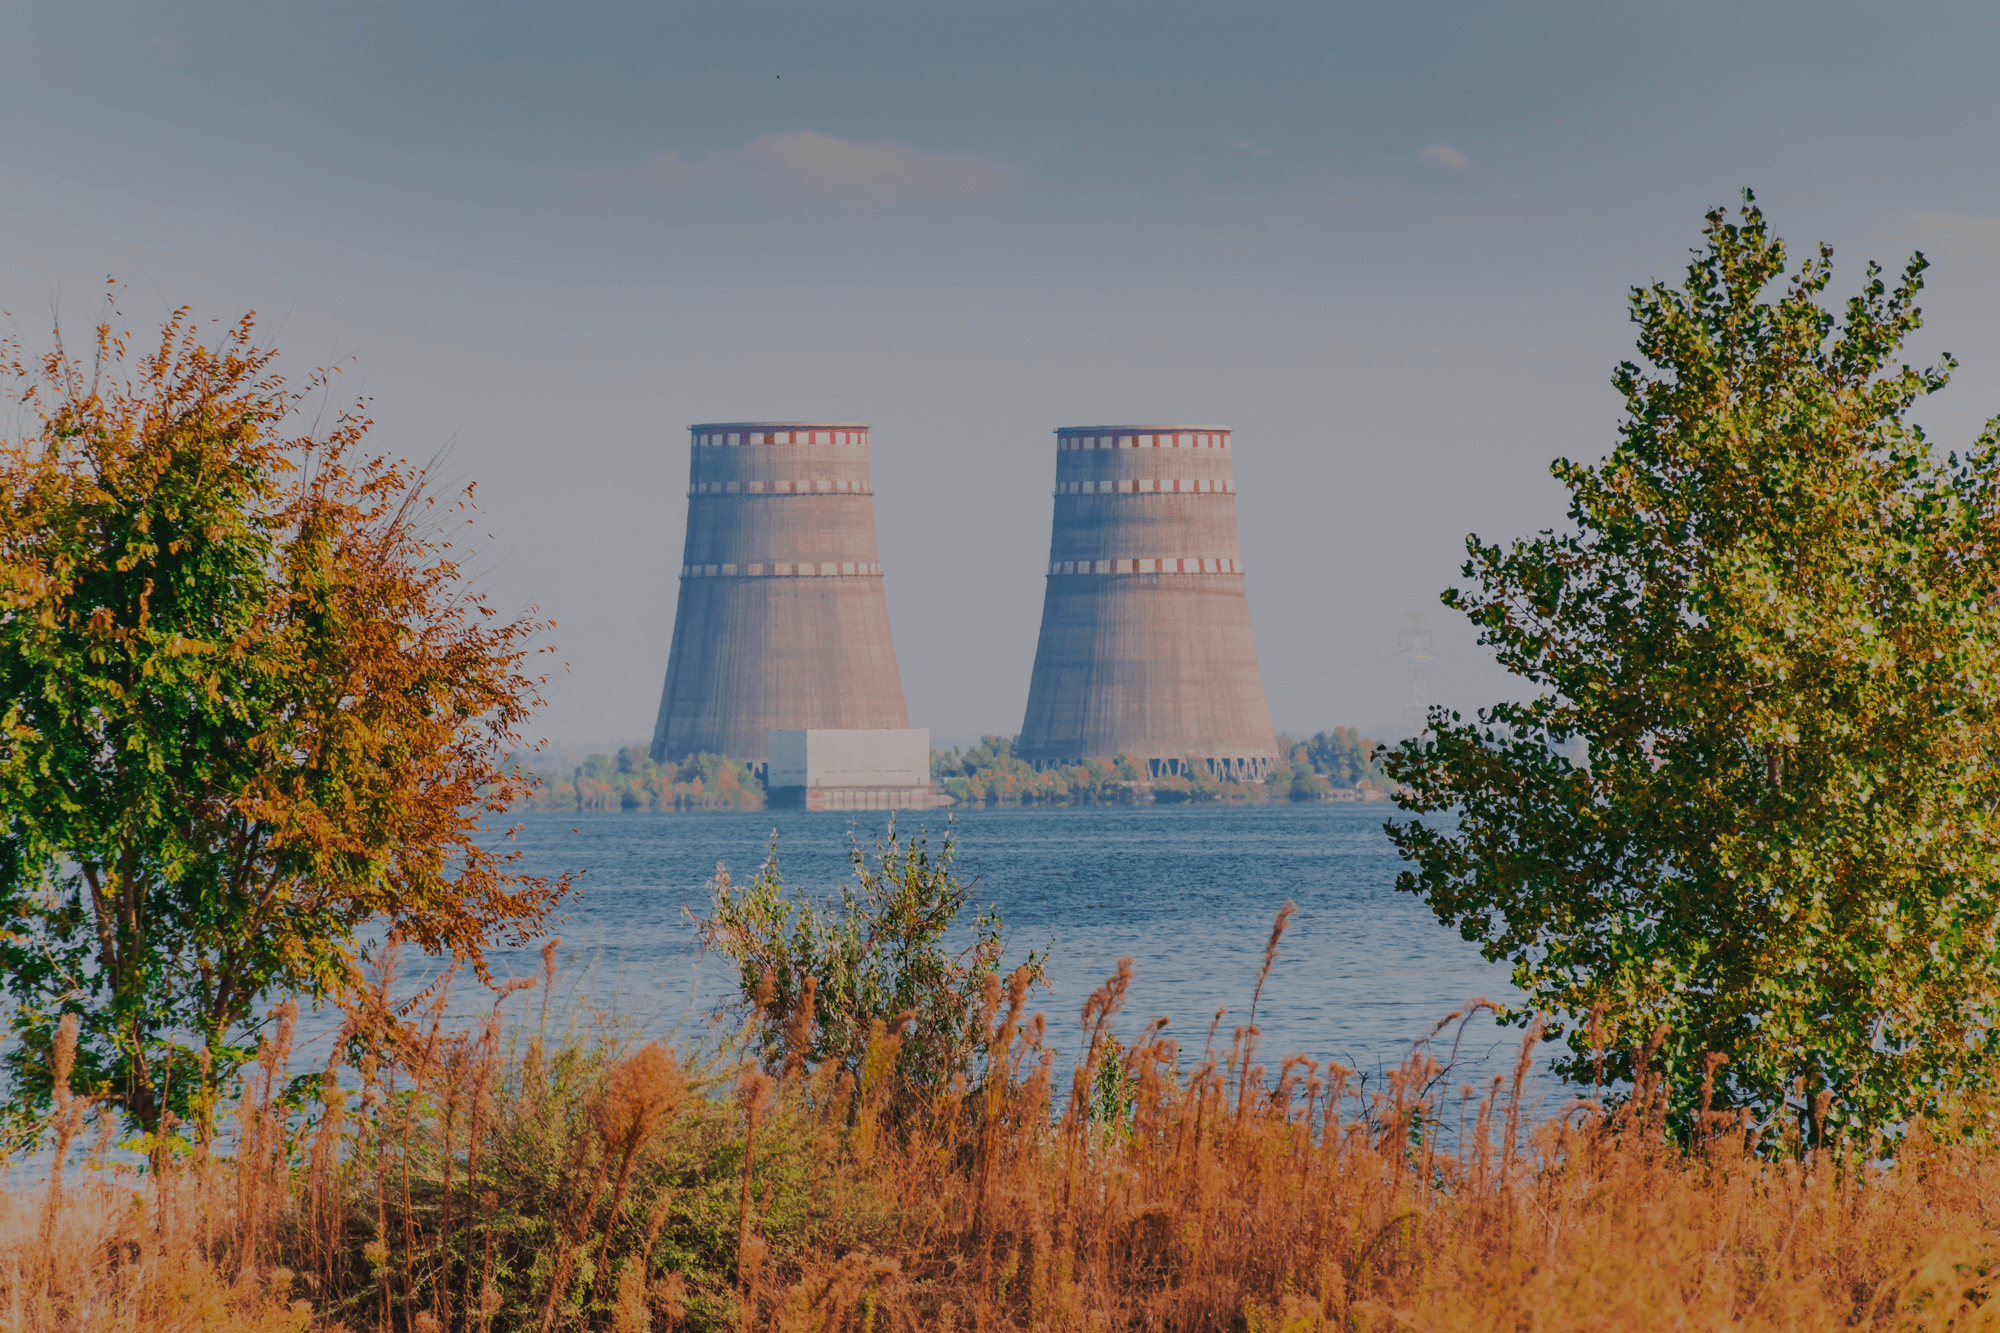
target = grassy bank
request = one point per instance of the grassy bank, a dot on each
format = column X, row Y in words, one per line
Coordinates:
column 583, row 1178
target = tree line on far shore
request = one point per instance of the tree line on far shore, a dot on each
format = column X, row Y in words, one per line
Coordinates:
column 1329, row 765
column 1314, row 769
column 630, row 780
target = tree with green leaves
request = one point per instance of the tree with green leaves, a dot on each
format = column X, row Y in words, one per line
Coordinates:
column 1343, row 756
column 248, row 705
column 871, row 952
column 1774, row 627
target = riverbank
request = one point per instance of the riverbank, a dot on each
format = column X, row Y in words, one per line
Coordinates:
column 1330, row 766
column 585, row 1179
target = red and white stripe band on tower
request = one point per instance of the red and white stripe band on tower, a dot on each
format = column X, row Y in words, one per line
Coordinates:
column 1151, row 565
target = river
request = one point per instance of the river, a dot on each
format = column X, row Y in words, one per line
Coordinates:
column 1188, row 892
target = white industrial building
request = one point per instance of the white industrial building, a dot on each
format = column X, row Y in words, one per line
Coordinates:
column 851, row 769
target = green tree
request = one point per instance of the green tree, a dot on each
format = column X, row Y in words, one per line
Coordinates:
column 1301, row 782
column 250, row 704
column 1774, row 628
column 1342, row 755
column 632, row 781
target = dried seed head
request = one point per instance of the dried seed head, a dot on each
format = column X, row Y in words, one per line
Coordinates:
column 753, row 1090
column 629, row 1313
column 642, row 1093
column 63, row 1058
column 1285, row 915
column 799, row 1035
column 670, row 1294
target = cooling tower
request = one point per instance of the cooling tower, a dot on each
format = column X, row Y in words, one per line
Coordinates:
column 1145, row 646
column 781, row 622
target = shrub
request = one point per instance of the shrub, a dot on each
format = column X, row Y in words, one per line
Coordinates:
column 871, row 955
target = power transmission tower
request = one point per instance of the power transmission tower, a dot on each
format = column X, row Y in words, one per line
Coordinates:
column 1417, row 641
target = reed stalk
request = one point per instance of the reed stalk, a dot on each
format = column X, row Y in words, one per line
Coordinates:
column 1299, row 1199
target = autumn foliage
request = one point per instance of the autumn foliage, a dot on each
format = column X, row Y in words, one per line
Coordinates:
column 251, row 703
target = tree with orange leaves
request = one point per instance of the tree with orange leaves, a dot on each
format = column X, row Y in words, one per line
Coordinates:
column 250, row 705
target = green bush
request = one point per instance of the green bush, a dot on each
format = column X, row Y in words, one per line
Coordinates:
column 871, row 955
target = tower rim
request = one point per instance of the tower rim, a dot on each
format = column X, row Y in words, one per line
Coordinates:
column 1098, row 430
column 781, row 425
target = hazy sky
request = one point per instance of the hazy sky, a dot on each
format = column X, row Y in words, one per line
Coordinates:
column 1388, row 244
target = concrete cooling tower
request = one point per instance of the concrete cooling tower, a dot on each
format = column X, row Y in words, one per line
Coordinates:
column 1145, row 646
column 781, row 622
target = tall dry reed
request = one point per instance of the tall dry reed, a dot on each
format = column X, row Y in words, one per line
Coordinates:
column 476, row 1179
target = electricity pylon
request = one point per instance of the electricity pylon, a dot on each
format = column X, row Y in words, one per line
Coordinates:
column 1417, row 640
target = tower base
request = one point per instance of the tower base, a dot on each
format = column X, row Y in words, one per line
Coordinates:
column 856, row 798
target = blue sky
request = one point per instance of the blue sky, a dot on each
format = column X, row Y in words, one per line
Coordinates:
column 1388, row 244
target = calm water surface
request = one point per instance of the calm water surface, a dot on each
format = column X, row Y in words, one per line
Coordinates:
column 1189, row 894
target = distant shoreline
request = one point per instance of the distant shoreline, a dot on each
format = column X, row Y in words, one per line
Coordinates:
column 1038, row 807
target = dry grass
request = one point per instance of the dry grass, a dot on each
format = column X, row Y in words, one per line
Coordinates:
column 590, row 1182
